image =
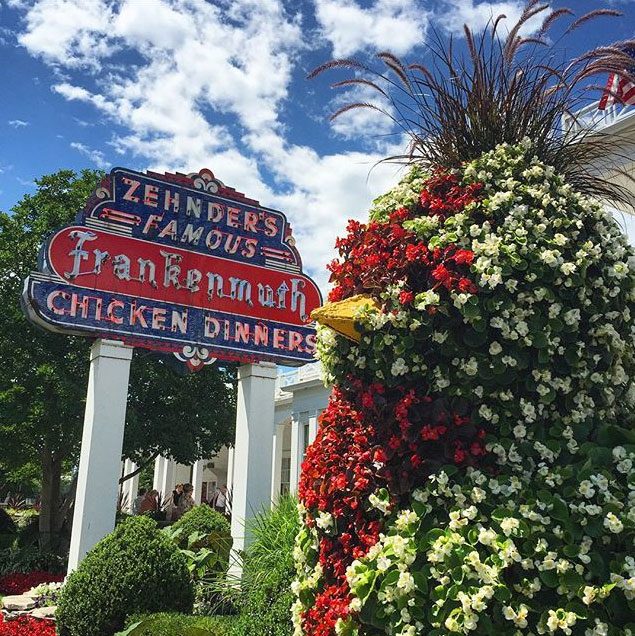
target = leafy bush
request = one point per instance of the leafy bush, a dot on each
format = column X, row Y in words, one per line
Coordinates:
column 30, row 558
column 134, row 569
column 7, row 526
column 204, row 537
column 27, row 518
column 268, row 572
column 165, row 624
column 204, row 520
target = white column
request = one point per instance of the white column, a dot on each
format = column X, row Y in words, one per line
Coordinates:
column 167, row 482
column 158, row 471
column 102, row 442
column 313, row 428
column 253, row 448
column 197, row 479
column 276, row 463
column 230, row 469
column 296, row 452
column 130, row 486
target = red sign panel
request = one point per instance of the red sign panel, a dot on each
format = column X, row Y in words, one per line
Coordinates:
column 178, row 263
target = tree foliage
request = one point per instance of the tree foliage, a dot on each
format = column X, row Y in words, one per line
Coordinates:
column 43, row 376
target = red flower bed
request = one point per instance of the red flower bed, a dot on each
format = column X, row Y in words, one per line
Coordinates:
column 19, row 582
column 27, row 626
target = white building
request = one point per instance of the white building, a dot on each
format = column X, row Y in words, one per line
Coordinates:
column 299, row 399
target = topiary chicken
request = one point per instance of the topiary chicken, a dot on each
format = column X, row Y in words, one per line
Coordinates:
column 473, row 472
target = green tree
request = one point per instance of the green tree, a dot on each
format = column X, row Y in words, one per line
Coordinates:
column 43, row 375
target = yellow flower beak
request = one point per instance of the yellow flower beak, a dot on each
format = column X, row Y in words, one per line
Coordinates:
column 340, row 316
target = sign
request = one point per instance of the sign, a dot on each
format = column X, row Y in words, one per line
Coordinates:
column 178, row 263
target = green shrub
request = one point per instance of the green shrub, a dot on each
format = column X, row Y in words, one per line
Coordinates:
column 134, row 569
column 7, row 526
column 204, row 520
column 205, row 537
column 20, row 558
column 27, row 518
column 165, row 624
column 268, row 572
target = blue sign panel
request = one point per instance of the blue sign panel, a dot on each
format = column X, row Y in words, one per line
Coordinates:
column 178, row 263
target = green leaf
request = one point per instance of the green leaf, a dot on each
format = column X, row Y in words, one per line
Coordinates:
column 549, row 578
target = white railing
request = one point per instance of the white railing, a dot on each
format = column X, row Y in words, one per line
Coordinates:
column 301, row 374
column 592, row 118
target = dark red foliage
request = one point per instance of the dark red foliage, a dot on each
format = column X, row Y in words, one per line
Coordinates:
column 19, row 582
column 376, row 436
column 26, row 626
column 378, row 254
column 373, row 437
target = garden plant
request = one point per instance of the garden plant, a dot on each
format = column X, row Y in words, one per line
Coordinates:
column 134, row 569
column 473, row 472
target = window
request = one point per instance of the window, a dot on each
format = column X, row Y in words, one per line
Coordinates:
column 285, row 476
column 304, row 430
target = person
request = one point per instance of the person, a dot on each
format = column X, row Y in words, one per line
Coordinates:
column 186, row 500
column 150, row 502
column 137, row 502
column 176, row 495
column 220, row 500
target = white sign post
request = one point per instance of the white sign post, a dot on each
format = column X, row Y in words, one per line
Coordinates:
column 253, row 449
column 183, row 264
column 102, row 443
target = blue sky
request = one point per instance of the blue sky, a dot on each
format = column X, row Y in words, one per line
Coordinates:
column 187, row 84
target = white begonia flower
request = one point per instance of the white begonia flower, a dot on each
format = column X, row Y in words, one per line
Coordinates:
column 470, row 367
column 589, row 595
column 478, row 494
column 487, row 536
column 405, row 582
column 601, row 629
column 586, row 489
column 520, row 431
column 495, row 348
column 613, row 523
column 399, row 367
column 405, row 518
column 324, row 520
column 509, row 525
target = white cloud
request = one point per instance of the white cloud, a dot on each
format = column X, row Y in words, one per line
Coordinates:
column 366, row 123
column 96, row 156
column 394, row 25
column 478, row 15
column 68, row 32
column 208, row 89
column 18, row 123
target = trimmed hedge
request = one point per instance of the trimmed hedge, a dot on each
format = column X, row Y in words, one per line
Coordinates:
column 202, row 519
column 134, row 569
column 165, row 624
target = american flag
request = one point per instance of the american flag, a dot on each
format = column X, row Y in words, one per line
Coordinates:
column 620, row 90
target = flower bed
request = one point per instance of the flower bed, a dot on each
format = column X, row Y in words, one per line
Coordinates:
column 26, row 626
column 19, row 582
